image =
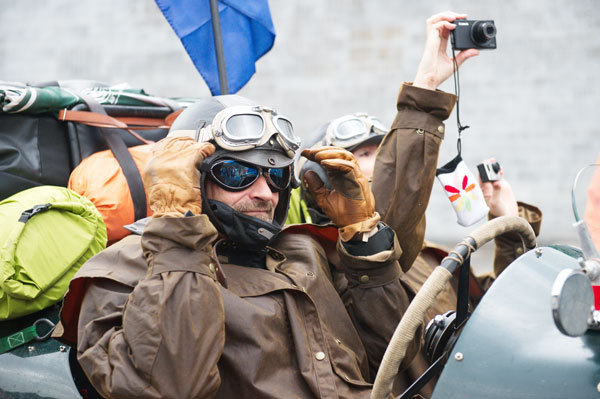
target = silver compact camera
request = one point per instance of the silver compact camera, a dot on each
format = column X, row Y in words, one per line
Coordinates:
column 489, row 171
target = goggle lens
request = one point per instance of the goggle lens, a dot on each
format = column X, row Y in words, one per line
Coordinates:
column 236, row 176
column 378, row 125
column 245, row 126
column 286, row 128
column 350, row 129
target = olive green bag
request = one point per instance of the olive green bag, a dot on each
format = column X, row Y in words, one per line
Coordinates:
column 46, row 234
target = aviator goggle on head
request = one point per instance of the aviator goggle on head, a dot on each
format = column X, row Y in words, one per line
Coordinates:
column 244, row 127
column 350, row 131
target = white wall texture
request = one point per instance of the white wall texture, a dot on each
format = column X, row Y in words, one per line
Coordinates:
column 532, row 103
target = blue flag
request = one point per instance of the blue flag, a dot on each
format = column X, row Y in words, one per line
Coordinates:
column 247, row 31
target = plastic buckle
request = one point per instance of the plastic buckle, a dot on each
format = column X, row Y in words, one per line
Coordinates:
column 47, row 335
column 26, row 215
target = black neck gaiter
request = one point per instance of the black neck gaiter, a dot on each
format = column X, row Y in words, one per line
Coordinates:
column 246, row 231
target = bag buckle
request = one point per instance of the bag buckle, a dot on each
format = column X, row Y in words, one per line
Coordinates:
column 29, row 213
column 48, row 324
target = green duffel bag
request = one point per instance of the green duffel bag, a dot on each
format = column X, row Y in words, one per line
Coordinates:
column 46, row 234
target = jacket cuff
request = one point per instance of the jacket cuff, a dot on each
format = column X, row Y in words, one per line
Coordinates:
column 382, row 240
column 509, row 246
column 179, row 244
column 532, row 214
column 436, row 103
column 371, row 270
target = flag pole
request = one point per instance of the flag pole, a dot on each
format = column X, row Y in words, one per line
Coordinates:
column 216, row 25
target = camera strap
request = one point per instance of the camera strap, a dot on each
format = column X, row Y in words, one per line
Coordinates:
column 457, row 92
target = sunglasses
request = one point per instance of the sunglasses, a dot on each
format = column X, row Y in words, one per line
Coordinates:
column 237, row 176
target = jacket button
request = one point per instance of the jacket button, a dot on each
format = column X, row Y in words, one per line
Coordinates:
column 441, row 129
column 211, row 267
column 319, row 356
column 420, row 132
column 519, row 251
column 364, row 279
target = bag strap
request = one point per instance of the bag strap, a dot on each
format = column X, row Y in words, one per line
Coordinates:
column 26, row 335
column 101, row 121
column 121, row 122
column 124, row 158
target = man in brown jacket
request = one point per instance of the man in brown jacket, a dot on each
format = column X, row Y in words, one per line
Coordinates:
column 213, row 300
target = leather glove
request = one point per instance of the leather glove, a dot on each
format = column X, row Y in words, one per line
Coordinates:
column 350, row 203
column 172, row 176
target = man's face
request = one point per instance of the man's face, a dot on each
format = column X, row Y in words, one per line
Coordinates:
column 365, row 156
column 257, row 200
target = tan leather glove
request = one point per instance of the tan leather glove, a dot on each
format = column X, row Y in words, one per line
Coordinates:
column 172, row 176
column 350, row 203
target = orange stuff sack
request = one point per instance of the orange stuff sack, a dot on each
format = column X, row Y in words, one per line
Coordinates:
column 100, row 179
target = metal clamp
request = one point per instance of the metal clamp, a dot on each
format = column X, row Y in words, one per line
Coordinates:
column 49, row 324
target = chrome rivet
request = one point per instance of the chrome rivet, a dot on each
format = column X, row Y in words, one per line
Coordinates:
column 271, row 161
column 62, row 348
column 438, row 320
column 458, row 356
column 319, row 356
column 31, row 348
column 420, row 132
column 337, row 341
column 538, row 252
column 441, row 129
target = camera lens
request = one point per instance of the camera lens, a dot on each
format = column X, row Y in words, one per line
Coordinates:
column 496, row 167
column 483, row 31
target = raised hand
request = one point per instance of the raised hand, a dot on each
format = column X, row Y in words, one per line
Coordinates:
column 172, row 176
column 436, row 66
column 350, row 203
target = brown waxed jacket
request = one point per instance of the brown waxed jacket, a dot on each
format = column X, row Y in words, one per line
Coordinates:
column 151, row 320
column 166, row 328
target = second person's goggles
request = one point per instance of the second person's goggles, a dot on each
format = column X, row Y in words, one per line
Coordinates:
column 244, row 127
column 350, row 130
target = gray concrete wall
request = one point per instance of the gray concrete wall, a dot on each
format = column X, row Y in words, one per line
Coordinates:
column 532, row 103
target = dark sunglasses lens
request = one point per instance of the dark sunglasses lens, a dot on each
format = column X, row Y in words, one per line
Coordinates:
column 234, row 174
column 280, row 177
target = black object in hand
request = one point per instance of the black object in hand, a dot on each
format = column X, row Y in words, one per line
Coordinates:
column 474, row 34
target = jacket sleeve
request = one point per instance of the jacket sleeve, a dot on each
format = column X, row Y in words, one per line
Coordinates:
column 509, row 246
column 376, row 298
column 163, row 339
column 406, row 164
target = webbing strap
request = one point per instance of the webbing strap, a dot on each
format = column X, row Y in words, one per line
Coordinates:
column 25, row 335
column 125, row 160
